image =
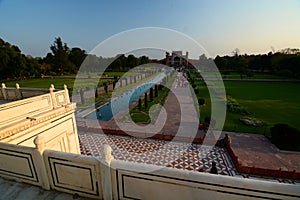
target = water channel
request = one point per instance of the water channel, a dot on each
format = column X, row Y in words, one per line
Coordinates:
column 107, row 111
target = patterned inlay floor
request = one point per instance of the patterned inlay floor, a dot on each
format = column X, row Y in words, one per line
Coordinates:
column 158, row 152
column 164, row 153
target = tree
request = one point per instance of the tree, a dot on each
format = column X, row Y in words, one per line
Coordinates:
column 132, row 61
column 151, row 94
column 201, row 102
column 140, row 104
column 236, row 52
column 146, row 100
column 60, row 53
column 156, row 91
column 144, row 60
column 77, row 56
column 14, row 64
column 242, row 65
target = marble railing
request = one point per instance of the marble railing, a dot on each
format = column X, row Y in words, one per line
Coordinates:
column 46, row 122
column 17, row 93
column 139, row 181
column 23, row 164
column 106, row 178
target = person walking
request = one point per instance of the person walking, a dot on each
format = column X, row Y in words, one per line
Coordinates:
column 213, row 169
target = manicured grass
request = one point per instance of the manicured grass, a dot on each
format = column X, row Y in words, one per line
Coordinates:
column 57, row 82
column 271, row 102
column 236, row 75
column 142, row 116
column 41, row 83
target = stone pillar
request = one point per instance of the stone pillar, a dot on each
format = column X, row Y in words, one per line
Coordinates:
column 67, row 93
column 51, row 89
column 39, row 142
column 4, row 92
column 106, row 158
column 18, row 92
column 81, row 93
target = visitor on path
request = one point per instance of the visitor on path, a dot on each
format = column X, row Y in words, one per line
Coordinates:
column 213, row 169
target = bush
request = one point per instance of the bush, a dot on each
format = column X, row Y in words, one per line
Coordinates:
column 194, row 85
column 201, row 101
column 285, row 137
column 196, row 91
column 285, row 73
column 226, row 72
column 234, row 107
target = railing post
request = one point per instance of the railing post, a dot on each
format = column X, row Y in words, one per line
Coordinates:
column 39, row 143
column 4, row 92
column 18, row 92
column 106, row 158
column 67, row 94
column 51, row 89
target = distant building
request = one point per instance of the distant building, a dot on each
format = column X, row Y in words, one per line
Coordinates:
column 177, row 59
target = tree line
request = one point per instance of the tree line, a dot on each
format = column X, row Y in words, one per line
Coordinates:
column 63, row 60
column 283, row 63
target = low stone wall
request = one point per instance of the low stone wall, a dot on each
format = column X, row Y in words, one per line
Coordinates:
column 23, row 164
column 61, row 171
column 74, row 174
column 139, row 181
column 106, row 178
column 261, row 171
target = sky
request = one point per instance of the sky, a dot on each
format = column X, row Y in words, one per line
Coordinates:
column 220, row 26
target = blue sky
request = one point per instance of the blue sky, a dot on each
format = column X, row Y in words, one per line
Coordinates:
column 220, row 26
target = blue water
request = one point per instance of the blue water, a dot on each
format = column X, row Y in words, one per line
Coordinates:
column 106, row 112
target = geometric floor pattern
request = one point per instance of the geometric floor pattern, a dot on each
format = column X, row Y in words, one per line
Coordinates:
column 158, row 152
column 165, row 153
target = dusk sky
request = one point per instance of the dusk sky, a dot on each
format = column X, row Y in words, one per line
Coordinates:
column 220, row 26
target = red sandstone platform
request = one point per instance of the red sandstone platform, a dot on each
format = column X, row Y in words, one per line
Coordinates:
column 255, row 154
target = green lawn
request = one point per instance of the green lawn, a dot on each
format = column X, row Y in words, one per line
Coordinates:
column 270, row 102
column 58, row 83
column 236, row 75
